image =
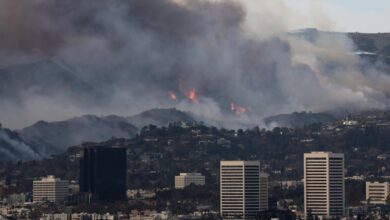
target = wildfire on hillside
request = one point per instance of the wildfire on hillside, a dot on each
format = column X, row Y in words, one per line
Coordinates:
column 192, row 95
column 172, row 96
column 238, row 110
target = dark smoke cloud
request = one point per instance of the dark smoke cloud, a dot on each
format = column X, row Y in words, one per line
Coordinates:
column 131, row 53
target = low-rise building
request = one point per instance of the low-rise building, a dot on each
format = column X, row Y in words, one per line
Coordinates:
column 185, row 179
column 140, row 194
column 57, row 216
column 377, row 192
column 17, row 198
column 50, row 189
column 150, row 215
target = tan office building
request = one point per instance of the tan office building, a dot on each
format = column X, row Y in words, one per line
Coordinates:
column 324, row 187
column 240, row 189
column 50, row 189
column 377, row 193
column 186, row 179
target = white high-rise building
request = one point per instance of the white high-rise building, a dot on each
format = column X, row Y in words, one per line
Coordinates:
column 185, row 179
column 377, row 193
column 241, row 189
column 324, row 187
column 50, row 189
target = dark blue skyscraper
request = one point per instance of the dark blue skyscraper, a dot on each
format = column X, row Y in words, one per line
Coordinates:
column 103, row 173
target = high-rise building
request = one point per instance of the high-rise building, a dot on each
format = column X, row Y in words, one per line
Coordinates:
column 103, row 173
column 324, row 193
column 186, row 179
column 240, row 187
column 377, row 193
column 263, row 191
column 50, row 189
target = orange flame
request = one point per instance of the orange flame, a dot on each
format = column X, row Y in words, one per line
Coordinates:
column 192, row 96
column 238, row 110
column 172, row 96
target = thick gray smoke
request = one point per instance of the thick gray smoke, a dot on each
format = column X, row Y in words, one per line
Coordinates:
column 15, row 149
column 129, row 56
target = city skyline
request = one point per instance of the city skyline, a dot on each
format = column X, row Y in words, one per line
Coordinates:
column 195, row 109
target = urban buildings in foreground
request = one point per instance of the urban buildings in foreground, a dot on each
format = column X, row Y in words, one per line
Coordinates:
column 377, row 192
column 50, row 189
column 103, row 173
column 240, row 189
column 324, row 193
column 186, row 179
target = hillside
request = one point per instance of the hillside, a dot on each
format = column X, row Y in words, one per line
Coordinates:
column 13, row 148
column 50, row 79
column 375, row 43
column 298, row 119
column 372, row 47
column 157, row 154
column 55, row 137
column 160, row 117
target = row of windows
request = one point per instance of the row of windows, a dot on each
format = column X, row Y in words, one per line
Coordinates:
column 381, row 187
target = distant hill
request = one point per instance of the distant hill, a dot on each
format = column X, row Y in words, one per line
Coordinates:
column 160, row 117
column 49, row 138
column 55, row 137
column 13, row 148
column 298, row 119
column 371, row 46
column 377, row 44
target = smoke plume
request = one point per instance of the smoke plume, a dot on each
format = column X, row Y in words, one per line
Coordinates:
column 14, row 148
column 236, row 57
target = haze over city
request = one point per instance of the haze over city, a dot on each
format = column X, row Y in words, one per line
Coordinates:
column 195, row 109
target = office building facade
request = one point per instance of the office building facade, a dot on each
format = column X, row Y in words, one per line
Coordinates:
column 186, row 179
column 377, row 193
column 324, row 187
column 240, row 188
column 103, row 173
column 50, row 189
column 263, row 191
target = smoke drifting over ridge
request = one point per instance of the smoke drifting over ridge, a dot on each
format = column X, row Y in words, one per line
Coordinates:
column 128, row 56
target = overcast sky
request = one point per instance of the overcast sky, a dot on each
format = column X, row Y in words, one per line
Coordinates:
column 342, row 15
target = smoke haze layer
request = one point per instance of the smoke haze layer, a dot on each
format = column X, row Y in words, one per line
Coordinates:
column 231, row 61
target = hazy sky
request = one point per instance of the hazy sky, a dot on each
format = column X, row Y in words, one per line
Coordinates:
column 342, row 15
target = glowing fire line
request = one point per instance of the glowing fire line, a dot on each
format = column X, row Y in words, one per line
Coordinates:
column 238, row 110
column 192, row 96
column 172, row 96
